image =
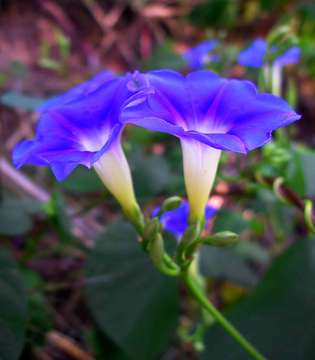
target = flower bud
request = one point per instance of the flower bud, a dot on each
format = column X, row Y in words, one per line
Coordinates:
column 171, row 203
column 223, row 238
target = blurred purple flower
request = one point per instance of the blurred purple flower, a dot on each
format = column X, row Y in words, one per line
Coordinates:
column 208, row 114
column 289, row 57
column 254, row 55
column 176, row 221
column 200, row 55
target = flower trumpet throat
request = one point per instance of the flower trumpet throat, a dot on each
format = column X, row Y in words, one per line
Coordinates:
column 113, row 169
column 200, row 168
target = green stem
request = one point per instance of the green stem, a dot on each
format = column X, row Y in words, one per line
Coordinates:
column 210, row 308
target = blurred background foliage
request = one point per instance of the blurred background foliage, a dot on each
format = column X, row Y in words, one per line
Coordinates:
column 73, row 282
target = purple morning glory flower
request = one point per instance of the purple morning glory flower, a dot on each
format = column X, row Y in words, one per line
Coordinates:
column 199, row 55
column 82, row 127
column 208, row 114
column 289, row 57
column 176, row 221
column 254, row 55
column 79, row 91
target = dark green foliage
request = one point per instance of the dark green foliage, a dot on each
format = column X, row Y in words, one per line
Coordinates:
column 152, row 175
column 83, row 180
column 215, row 13
column 16, row 215
column 20, row 101
column 164, row 56
column 13, row 307
column 278, row 317
column 130, row 301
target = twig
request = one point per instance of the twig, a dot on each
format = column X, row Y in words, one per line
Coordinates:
column 19, row 183
column 286, row 193
column 68, row 345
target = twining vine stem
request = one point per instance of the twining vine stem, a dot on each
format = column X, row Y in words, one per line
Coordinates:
column 203, row 301
column 169, row 267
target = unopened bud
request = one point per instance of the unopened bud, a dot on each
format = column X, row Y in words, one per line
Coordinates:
column 152, row 227
column 156, row 250
column 191, row 234
column 171, row 203
column 309, row 217
column 278, row 34
column 188, row 243
column 224, row 238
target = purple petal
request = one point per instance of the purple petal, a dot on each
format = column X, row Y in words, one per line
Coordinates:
column 291, row 56
column 176, row 221
column 62, row 170
column 266, row 114
column 224, row 114
column 80, row 126
column 77, row 92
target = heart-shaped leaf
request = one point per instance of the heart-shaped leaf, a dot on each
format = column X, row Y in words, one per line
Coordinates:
column 131, row 301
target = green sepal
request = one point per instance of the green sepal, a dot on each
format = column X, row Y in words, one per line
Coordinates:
column 156, row 250
column 309, row 217
column 151, row 228
column 162, row 261
column 186, row 247
column 171, row 203
column 135, row 217
column 221, row 239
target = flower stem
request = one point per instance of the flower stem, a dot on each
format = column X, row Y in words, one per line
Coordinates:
column 199, row 296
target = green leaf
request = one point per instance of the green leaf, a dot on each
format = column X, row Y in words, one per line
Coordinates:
column 151, row 174
column 12, row 309
column 279, row 215
column 102, row 347
column 278, row 317
column 215, row 13
column 39, row 319
column 295, row 173
column 20, row 101
column 83, row 180
column 56, row 209
column 308, row 163
column 301, row 171
column 16, row 215
column 231, row 220
column 131, row 301
column 272, row 5
column 164, row 56
column 226, row 264
column 232, row 263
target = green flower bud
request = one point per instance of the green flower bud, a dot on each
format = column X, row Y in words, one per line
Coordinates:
column 224, row 238
column 156, row 250
column 171, row 203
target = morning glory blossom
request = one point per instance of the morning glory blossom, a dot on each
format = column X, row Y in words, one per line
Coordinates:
column 200, row 55
column 289, row 57
column 176, row 221
column 254, row 55
column 82, row 127
column 78, row 92
column 208, row 114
